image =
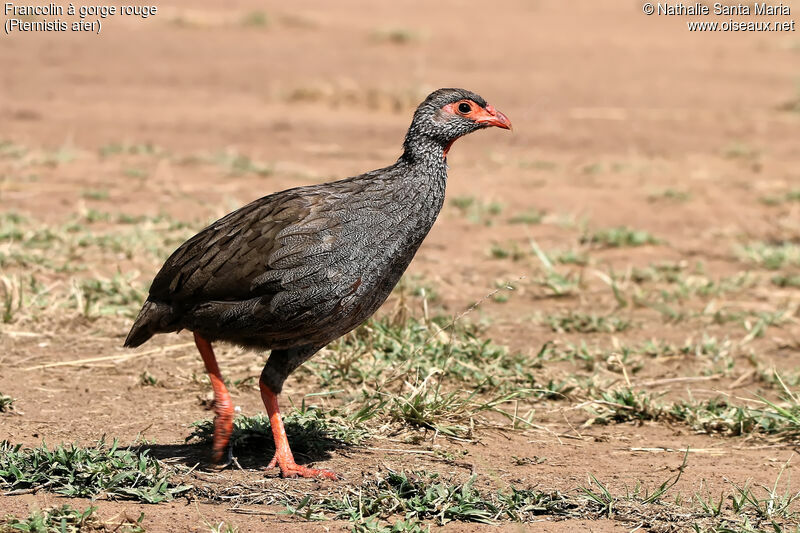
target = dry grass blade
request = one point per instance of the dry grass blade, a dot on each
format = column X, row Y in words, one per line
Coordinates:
column 116, row 357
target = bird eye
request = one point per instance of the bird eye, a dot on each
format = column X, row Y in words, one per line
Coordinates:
column 464, row 108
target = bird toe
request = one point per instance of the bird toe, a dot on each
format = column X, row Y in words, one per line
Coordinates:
column 306, row 472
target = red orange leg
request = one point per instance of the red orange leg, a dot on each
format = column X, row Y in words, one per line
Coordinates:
column 223, row 405
column 283, row 454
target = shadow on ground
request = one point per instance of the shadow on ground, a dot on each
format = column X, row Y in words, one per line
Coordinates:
column 252, row 444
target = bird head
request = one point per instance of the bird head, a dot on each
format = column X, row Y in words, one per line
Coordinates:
column 446, row 115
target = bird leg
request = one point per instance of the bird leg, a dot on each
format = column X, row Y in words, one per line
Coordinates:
column 223, row 405
column 283, row 454
column 273, row 462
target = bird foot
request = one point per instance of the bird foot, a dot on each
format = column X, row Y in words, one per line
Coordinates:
column 283, row 454
column 219, row 464
column 292, row 469
column 295, row 470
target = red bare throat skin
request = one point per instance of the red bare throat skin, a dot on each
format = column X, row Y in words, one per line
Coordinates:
column 223, row 405
column 447, row 148
column 283, row 454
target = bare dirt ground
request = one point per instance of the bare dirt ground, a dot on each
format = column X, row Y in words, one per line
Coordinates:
column 619, row 120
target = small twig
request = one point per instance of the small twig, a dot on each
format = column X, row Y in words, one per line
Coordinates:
column 684, row 379
column 578, row 433
column 547, row 430
column 24, row 334
column 616, row 359
column 604, row 402
column 243, row 510
column 17, row 492
column 397, row 450
column 111, row 357
column 710, row 451
column 741, row 379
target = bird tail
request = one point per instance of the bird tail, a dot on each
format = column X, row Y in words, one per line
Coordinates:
column 154, row 318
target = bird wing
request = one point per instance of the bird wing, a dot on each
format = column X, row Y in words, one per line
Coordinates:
column 292, row 250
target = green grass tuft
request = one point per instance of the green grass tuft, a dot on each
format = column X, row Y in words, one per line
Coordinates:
column 787, row 280
column 619, row 237
column 528, row 217
column 397, row 35
column 66, row 519
column 6, row 403
column 670, row 195
column 714, row 416
column 255, row 19
column 421, row 496
column 624, row 405
column 770, row 255
column 575, row 322
column 452, row 414
column 387, row 349
column 476, row 210
column 87, row 472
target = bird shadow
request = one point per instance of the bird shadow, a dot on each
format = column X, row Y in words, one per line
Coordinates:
column 252, row 443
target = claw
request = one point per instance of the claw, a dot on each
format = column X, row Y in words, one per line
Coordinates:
column 229, row 459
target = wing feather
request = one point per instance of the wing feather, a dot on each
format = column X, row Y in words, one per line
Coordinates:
column 283, row 249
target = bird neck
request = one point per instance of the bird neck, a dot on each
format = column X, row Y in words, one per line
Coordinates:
column 427, row 162
column 425, row 158
column 423, row 184
column 423, row 144
column 425, row 152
